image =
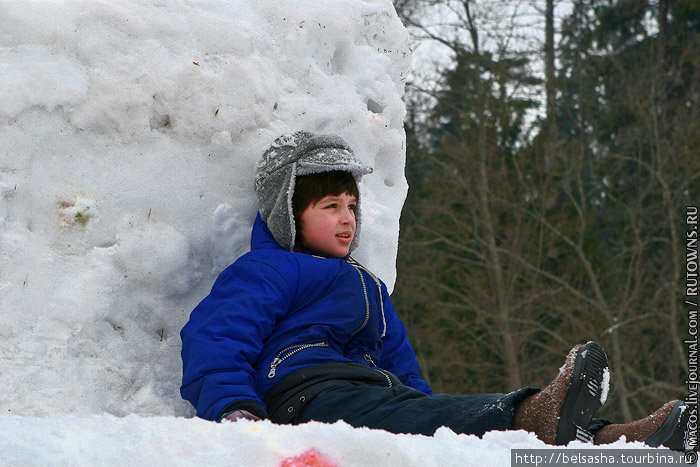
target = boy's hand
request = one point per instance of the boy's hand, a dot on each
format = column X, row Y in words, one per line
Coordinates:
column 240, row 414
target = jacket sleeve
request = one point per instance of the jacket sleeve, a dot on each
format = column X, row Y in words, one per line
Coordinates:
column 225, row 334
column 398, row 356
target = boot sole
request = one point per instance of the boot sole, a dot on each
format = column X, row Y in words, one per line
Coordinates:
column 673, row 433
column 584, row 395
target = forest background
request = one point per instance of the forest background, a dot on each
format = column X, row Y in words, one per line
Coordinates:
column 551, row 152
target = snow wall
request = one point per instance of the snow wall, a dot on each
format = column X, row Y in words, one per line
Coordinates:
column 129, row 133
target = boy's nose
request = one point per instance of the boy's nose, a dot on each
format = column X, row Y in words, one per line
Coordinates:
column 348, row 215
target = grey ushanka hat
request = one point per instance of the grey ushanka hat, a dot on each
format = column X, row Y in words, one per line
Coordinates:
column 293, row 155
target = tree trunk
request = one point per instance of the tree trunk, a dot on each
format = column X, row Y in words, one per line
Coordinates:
column 503, row 314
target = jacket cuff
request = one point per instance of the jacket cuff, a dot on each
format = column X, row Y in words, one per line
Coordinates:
column 252, row 406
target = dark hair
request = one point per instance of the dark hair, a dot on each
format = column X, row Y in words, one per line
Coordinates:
column 311, row 188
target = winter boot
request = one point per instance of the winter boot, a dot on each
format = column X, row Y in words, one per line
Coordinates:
column 667, row 427
column 562, row 411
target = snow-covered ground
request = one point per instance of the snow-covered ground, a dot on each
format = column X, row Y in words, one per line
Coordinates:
column 128, row 136
column 136, row 440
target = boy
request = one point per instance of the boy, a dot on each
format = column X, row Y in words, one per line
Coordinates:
column 297, row 330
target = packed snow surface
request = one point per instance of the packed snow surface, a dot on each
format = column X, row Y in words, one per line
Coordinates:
column 129, row 133
column 145, row 441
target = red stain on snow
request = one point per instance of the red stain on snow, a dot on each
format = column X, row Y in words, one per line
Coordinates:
column 309, row 458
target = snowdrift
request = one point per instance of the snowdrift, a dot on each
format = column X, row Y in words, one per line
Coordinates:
column 129, row 132
column 144, row 441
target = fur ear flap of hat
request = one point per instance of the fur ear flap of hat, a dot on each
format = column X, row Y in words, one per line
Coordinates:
column 291, row 156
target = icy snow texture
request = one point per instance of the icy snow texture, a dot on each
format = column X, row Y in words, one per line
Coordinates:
column 606, row 385
column 129, row 133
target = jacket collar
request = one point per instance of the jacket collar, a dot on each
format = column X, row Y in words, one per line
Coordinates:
column 261, row 236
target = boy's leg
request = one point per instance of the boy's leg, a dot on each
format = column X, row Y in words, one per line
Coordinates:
column 400, row 409
column 557, row 414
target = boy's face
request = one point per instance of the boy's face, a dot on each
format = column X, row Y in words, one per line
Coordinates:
column 328, row 225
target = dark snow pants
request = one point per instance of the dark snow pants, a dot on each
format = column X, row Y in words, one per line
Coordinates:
column 365, row 397
column 401, row 409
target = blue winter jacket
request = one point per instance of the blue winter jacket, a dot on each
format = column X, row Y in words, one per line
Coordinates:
column 274, row 312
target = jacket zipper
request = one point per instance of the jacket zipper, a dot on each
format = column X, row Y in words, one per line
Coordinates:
column 364, row 291
column 359, row 268
column 294, row 350
column 369, row 360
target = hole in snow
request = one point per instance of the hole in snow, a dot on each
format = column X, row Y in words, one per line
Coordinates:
column 160, row 122
column 374, row 106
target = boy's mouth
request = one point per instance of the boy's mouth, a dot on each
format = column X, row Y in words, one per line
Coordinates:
column 344, row 235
